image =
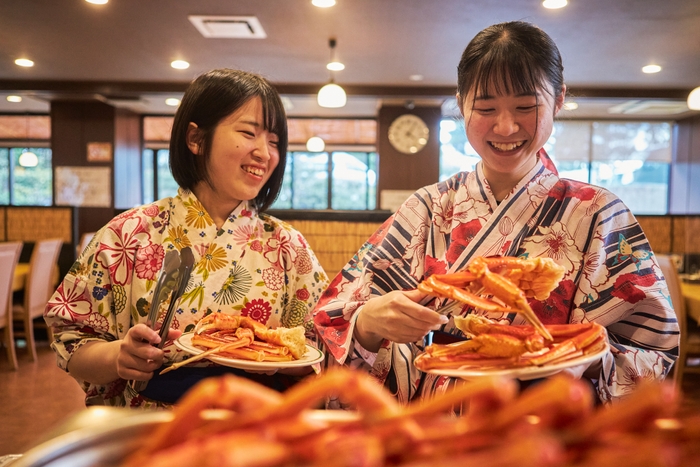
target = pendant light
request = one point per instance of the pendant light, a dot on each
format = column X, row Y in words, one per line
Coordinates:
column 331, row 95
column 315, row 144
column 694, row 99
column 27, row 158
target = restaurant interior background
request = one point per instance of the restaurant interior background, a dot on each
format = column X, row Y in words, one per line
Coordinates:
column 84, row 131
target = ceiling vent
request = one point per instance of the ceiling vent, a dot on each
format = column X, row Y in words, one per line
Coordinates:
column 649, row 107
column 229, row 27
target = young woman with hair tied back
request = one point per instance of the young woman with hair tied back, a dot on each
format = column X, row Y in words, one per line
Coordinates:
column 227, row 153
column 510, row 87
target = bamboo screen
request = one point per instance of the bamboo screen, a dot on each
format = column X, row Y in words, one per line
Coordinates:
column 334, row 242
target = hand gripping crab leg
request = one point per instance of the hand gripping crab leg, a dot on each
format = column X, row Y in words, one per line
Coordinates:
column 511, row 280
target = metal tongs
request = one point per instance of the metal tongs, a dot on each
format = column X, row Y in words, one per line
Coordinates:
column 173, row 279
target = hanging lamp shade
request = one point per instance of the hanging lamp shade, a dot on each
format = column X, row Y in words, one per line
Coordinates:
column 315, row 144
column 694, row 99
column 332, row 96
column 28, row 159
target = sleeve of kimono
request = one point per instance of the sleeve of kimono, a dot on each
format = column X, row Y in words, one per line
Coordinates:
column 622, row 288
column 90, row 303
column 392, row 259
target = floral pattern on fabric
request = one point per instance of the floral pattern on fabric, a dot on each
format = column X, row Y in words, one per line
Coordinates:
column 255, row 265
column 612, row 277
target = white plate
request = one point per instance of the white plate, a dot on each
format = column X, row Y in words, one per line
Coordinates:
column 522, row 373
column 312, row 355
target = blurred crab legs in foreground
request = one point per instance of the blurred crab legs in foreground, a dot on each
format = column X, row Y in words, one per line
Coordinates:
column 229, row 421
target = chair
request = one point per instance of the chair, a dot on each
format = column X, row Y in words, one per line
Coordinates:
column 84, row 242
column 38, row 289
column 9, row 256
column 690, row 338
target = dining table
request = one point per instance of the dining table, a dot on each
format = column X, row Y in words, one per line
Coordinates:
column 22, row 272
column 691, row 294
column 20, row 278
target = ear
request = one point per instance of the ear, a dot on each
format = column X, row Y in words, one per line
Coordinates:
column 460, row 104
column 193, row 138
column 559, row 100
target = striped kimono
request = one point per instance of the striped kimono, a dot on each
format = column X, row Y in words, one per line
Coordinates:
column 612, row 277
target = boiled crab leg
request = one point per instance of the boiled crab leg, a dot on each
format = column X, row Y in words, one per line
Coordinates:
column 512, row 281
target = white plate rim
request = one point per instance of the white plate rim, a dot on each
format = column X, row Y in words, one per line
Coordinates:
column 311, row 357
column 522, row 373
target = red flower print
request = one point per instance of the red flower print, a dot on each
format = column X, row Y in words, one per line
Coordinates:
column 246, row 213
column 149, row 261
column 273, row 278
column 256, row 246
column 68, row 301
column 120, row 244
column 303, row 294
column 625, row 287
column 460, row 238
column 279, row 248
column 434, row 266
column 572, row 189
column 151, row 210
column 257, row 309
column 557, row 307
column 378, row 236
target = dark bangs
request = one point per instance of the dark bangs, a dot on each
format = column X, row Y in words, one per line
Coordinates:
column 503, row 73
column 509, row 58
column 275, row 121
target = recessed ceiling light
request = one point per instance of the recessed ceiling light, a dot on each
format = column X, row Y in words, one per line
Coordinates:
column 14, row 98
column 97, row 2
column 554, row 4
column 172, row 101
column 323, row 3
column 651, row 69
column 335, row 66
column 24, row 62
column 416, row 77
column 180, row 64
column 570, row 106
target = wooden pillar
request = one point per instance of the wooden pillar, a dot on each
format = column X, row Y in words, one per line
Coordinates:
column 77, row 126
column 399, row 172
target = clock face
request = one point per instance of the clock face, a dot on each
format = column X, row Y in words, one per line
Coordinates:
column 408, row 134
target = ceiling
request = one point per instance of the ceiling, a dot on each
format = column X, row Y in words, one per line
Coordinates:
column 121, row 52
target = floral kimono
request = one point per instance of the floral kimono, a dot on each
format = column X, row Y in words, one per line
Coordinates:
column 255, row 266
column 611, row 277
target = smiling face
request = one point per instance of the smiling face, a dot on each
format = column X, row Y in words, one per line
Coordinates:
column 241, row 160
column 508, row 129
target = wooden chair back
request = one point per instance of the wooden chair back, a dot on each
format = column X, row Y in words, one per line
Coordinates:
column 38, row 288
column 689, row 338
column 9, row 256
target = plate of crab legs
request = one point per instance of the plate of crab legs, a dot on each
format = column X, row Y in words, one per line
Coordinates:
column 533, row 350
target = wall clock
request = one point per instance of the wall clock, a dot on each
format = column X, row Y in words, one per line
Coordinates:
column 408, row 134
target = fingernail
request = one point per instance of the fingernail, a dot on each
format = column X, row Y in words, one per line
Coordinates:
column 444, row 319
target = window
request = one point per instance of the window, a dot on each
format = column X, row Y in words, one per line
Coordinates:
column 342, row 180
column 631, row 159
column 29, row 184
column 157, row 180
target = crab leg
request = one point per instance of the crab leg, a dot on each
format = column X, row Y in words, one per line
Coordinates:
column 433, row 286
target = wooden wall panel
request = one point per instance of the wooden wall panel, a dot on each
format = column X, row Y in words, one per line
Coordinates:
column 399, row 171
column 3, row 236
column 658, row 230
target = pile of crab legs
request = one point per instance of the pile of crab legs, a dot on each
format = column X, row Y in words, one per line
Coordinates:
column 510, row 282
column 230, row 421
